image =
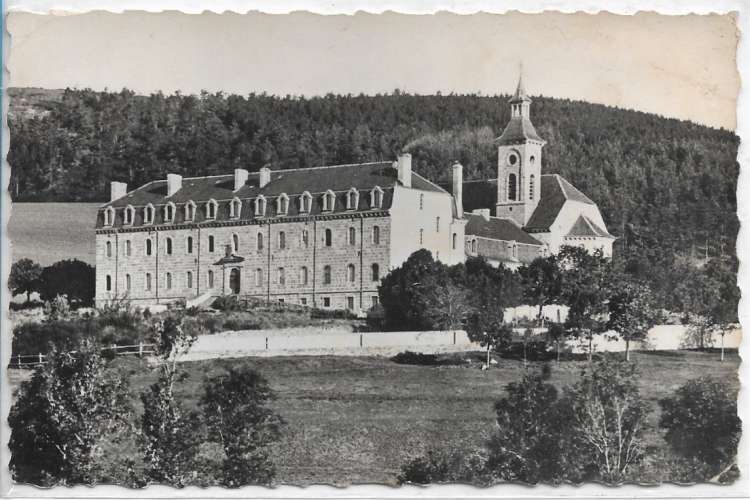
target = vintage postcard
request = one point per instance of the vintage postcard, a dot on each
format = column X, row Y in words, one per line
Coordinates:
column 381, row 248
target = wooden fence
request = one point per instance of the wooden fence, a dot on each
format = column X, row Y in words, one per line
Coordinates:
column 31, row 360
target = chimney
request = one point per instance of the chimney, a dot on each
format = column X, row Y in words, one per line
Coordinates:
column 458, row 189
column 484, row 212
column 117, row 190
column 174, row 183
column 264, row 177
column 240, row 178
column 404, row 169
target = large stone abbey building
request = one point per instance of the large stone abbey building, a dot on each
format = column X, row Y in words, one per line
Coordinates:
column 325, row 236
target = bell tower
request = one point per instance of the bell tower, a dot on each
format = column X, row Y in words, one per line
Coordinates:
column 519, row 162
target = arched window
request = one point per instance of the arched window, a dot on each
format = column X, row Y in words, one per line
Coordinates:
column 514, row 250
column 127, row 282
column 169, row 211
column 329, row 201
column 375, row 272
column 169, row 281
column 189, row 279
column 376, row 235
column 351, row 272
column 455, row 240
column 235, row 243
column 352, row 236
column 327, row 275
column 128, row 250
column 210, row 279
column 328, row 238
column 148, row 246
column 305, row 237
column 148, row 214
column 260, row 206
column 531, row 186
column 259, row 277
column 303, row 275
column 109, row 283
column 473, row 246
column 210, row 243
column 128, row 215
column 282, row 240
column 211, row 207
column 109, row 216
column 190, row 211
column 169, row 246
column 376, row 197
column 189, row 244
column 282, row 204
column 352, row 199
column 260, row 241
column 109, row 249
column 235, row 208
column 305, row 202
column 148, row 281
column 512, row 187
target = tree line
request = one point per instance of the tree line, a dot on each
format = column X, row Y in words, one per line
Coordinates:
column 665, row 187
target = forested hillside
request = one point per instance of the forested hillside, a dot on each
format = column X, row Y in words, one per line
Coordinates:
column 666, row 187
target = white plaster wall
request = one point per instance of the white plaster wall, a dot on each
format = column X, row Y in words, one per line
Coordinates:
column 567, row 216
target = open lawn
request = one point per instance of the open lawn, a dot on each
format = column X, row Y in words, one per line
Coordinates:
column 358, row 419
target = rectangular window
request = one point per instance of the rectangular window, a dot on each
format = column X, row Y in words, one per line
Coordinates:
column 350, row 303
column 375, row 300
column 421, row 236
column 421, row 201
column 305, row 238
column 127, row 248
column 326, row 301
column 282, row 276
column 169, row 281
column 148, row 281
column 282, row 240
column 258, row 277
column 189, row 279
column 281, row 301
column 109, row 283
column 437, row 224
column 190, row 244
column 210, row 279
column 210, row 243
column 303, row 301
column 127, row 282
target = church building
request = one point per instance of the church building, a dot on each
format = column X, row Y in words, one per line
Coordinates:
column 325, row 236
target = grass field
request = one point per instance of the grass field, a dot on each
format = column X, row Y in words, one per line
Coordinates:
column 49, row 232
column 356, row 420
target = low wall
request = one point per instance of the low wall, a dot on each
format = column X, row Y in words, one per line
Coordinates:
column 659, row 338
column 299, row 342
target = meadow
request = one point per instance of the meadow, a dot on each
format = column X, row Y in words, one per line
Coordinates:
column 49, row 232
column 359, row 419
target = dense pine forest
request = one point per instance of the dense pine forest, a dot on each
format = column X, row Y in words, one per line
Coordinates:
column 666, row 187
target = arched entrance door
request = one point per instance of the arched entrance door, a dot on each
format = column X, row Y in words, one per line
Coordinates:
column 234, row 281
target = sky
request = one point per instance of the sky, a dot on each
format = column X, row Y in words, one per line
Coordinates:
column 676, row 66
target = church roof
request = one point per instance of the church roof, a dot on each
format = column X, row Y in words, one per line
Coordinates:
column 586, row 227
column 496, row 228
column 555, row 192
column 476, row 194
column 518, row 130
column 293, row 182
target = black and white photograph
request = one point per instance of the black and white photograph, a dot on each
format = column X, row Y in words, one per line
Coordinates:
column 260, row 249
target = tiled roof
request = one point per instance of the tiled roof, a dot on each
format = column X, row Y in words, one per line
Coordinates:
column 555, row 192
column 476, row 194
column 585, row 227
column 518, row 130
column 293, row 182
column 497, row 229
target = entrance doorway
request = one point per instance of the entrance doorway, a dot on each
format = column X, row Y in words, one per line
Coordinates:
column 234, row 281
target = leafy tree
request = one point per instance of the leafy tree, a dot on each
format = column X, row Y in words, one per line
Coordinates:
column 445, row 466
column 447, row 305
column 531, row 443
column 722, row 311
column 25, row 277
column 608, row 417
column 65, row 416
column 73, row 278
column 701, row 422
column 556, row 332
column 486, row 327
column 542, row 282
column 236, row 415
column 631, row 312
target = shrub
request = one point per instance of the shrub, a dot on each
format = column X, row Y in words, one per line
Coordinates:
column 535, row 350
column 242, row 321
column 226, row 303
column 445, row 466
column 73, row 278
column 415, row 358
column 56, row 309
column 702, row 423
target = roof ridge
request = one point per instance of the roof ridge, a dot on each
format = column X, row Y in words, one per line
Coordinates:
column 330, row 166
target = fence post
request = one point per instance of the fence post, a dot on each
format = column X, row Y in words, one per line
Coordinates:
column 266, row 343
column 40, row 358
column 360, row 340
column 18, row 356
column 140, row 349
column 454, row 337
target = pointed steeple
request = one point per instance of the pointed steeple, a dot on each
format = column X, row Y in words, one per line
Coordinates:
column 520, row 95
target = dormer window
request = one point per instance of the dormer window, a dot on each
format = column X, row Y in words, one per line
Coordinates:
column 352, row 199
column 128, row 215
column 329, row 201
column 109, row 216
column 305, row 202
column 260, row 206
column 190, row 211
column 211, row 207
column 169, row 211
column 148, row 214
column 235, row 208
column 376, row 197
column 282, row 204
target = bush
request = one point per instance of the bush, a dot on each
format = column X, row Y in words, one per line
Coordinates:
column 415, row 358
column 72, row 278
column 57, row 309
column 702, row 423
column 445, row 466
column 331, row 314
column 535, row 350
column 226, row 303
column 242, row 321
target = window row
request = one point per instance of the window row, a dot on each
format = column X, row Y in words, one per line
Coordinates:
column 281, row 242
column 513, row 188
column 328, row 204
column 169, row 278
